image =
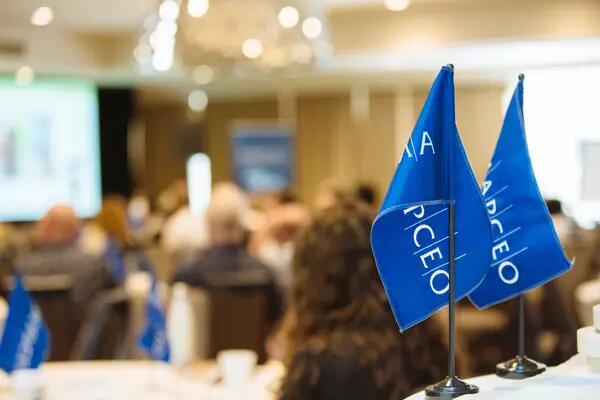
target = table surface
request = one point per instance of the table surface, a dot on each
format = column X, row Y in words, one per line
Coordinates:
column 572, row 380
column 141, row 380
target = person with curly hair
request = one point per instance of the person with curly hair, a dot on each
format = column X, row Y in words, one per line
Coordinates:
column 340, row 337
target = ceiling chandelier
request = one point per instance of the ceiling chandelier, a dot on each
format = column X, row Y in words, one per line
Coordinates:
column 204, row 36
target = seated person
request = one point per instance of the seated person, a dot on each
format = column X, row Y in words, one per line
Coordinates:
column 340, row 338
column 56, row 253
column 226, row 219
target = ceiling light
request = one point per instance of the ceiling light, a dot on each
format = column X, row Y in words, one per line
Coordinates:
column 168, row 10
column 162, row 60
column 142, row 52
column 42, row 16
column 289, row 17
column 312, row 27
column 24, row 75
column 160, row 40
column 197, row 8
column 197, row 100
column 166, row 28
column 252, row 48
column 202, row 74
column 397, row 5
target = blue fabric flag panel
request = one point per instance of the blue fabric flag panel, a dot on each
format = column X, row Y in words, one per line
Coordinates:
column 154, row 337
column 25, row 340
column 410, row 234
column 526, row 252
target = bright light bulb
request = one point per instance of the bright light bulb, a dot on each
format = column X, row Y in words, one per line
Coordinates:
column 168, row 10
column 162, row 60
column 24, row 75
column 289, row 17
column 42, row 16
column 312, row 27
column 197, row 8
column 203, row 74
column 397, row 5
column 166, row 28
column 252, row 48
column 197, row 100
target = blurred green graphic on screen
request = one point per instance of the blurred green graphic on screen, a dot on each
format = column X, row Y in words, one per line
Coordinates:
column 49, row 148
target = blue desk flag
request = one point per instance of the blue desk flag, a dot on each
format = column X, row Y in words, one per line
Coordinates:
column 116, row 263
column 26, row 340
column 410, row 234
column 153, row 339
column 526, row 252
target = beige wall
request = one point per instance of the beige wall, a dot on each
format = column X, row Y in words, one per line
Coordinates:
column 479, row 117
column 162, row 166
column 330, row 142
column 333, row 144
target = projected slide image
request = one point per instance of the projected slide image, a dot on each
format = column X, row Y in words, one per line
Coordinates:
column 26, row 150
column 49, row 150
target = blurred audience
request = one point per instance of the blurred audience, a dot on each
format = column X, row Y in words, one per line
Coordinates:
column 340, row 337
column 110, row 226
column 565, row 226
column 226, row 223
column 184, row 233
column 145, row 225
column 56, row 253
column 274, row 242
column 367, row 193
column 330, row 193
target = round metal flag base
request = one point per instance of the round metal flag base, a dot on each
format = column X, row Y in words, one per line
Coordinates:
column 449, row 388
column 519, row 368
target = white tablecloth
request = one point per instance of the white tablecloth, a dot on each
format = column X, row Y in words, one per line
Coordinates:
column 572, row 380
column 144, row 380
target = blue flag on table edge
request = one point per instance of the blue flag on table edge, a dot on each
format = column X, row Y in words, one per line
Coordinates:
column 409, row 237
column 115, row 261
column 153, row 340
column 25, row 340
column 526, row 252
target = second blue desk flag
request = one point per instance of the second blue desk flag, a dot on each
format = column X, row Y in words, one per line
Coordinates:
column 410, row 234
column 153, row 339
column 526, row 251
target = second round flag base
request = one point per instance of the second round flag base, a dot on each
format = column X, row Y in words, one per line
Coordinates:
column 519, row 367
column 449, row 388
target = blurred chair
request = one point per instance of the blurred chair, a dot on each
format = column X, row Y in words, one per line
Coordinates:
column 200, row 301
column 586, row 255
column 242, row 309
column 105, row 334
column 52, row 293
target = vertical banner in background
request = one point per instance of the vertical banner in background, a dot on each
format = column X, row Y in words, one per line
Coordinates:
column 262, row 156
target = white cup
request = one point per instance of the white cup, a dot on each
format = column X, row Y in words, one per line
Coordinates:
column 27, row 384
column 236, row 366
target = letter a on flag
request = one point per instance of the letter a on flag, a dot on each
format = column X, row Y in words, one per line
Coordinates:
column 25, row 340
column 410, row 234
column 526, row 252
